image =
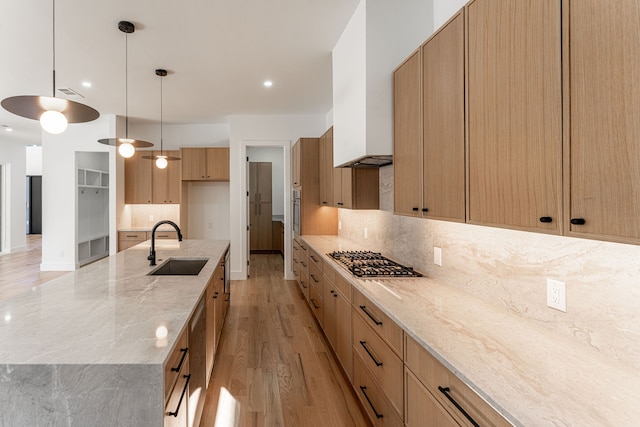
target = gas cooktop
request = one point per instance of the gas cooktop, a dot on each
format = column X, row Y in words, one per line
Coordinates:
column 372, row 264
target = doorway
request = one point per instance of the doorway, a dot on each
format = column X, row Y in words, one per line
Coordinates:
column 34, row 204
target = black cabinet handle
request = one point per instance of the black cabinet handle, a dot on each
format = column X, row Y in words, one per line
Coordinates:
column 376, row 321
column 313, row 302
column 340, row 203
column 303, row 264
column 364, row 345
column 324, row 203
column 215, row 295
column 314, row 278
column 313, row 258
column 184, row 391
column 546, row 219
column 416, row 209
column 364, row 391
column 445, row 391
column 184, row 355
column 577, row 221
column 303, row 285
column 425, row 210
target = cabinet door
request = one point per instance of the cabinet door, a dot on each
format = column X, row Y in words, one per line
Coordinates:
column 295, row 164
column 407, row 137
column 326, row 168
column 194, row 164
column 443, row 99
column 346, row 194
column 217, row 164
column 514, row 107
column 137, row 179
column 166, row 182
column 330, row 320
column 260, row 187
column 343, row 346
column 337, row 187
column 421, row 409
column 604, row 132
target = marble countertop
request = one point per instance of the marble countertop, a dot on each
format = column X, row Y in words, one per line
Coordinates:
column 107, row 312
column 530, row 375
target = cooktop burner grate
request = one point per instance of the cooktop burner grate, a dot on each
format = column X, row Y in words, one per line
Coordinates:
column 372, row 264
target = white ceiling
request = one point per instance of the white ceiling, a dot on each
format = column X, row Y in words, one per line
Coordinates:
column 217, row 52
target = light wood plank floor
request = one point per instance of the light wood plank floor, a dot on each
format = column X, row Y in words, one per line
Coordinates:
column 20, row 271
column 274, row 360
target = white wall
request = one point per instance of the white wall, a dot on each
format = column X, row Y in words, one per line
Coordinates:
column 208, row 210
column 34, row 160
column 59, row 189
column 275, row 156
column 13, row 156
column 268, row 130
column 176, row 136
column 444, row 9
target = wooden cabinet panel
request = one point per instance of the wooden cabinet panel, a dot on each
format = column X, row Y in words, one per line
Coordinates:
column 388, row 330
column 137, row 179
column 371, row 395
column 514, row 113
column 261, row 213
column 316, row 301
column 218, row 164
column 205, row 164
column 173, row 363
column 421, row 408
column 356, row 188
column 343, row 348
column 407, row 136
column 296, row 153
column 603, row 136
column 166, row 183
column 326, row 168
column 443, row 176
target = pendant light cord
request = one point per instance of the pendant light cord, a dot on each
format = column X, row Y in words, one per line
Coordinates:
column 161, row 78
column 54, row 48
column 126, row 84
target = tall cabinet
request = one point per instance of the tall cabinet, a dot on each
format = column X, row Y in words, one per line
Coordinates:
column 260, row 206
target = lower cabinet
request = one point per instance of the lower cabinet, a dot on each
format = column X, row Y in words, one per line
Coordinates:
column 421, row 408
column 127, row 239
column 214, row 316
column 377, row 406
column 176, row 385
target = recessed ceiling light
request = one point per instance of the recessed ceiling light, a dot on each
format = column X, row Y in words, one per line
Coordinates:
column 7, row 128
column 268, row 83
column 86, row 84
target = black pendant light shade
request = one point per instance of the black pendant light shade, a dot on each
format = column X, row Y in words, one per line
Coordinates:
column 161, row 159
column 127, row 28
column 59, row 111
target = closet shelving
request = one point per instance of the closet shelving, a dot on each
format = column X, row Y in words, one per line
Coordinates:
column 93, row 215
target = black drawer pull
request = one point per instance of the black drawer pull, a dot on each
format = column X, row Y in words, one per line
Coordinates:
column 546, row 219
column 324, row 203
column 184, row 355
column 215, row 295
column 364, row 391
column 377, row 322
column 295, row 273
column 364, row 345
column 303, row 285
column 129, row 235
column 313, row 258
column 340, row 204
column 303, row 264
column 577, row 221
column 163, row 235
column 184, row 391
column 425, row 210
column 415, row 209
column 313, row 302
column 445, row 391
column 314, row 278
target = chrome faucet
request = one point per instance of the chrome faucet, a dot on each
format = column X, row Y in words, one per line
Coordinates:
column 152, row 252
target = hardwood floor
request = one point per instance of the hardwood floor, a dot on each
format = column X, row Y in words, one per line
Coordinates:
column 274, row 360
column 20, row 271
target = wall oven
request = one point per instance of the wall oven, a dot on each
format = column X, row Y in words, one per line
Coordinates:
column 296, row 212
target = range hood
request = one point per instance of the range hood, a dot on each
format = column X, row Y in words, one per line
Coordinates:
column 378, row 37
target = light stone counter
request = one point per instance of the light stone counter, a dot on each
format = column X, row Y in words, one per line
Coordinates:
column 530, row 375
column 82, row 349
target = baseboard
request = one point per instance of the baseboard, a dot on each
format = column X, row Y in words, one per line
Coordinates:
column 57, row 267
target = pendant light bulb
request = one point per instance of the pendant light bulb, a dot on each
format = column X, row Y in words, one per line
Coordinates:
column 161, row 162
column 53, row 122
column 126, row 149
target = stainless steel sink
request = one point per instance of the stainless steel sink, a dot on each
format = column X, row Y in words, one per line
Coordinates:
column 180, row 267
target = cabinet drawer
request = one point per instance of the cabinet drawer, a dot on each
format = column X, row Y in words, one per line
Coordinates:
column 434, row 375
column 376, row 405
column 379, row 322
column 343, row 286
column 176, row 410
column 173, row 364
column 317, row 304
column 380, row 360
column 304, row 283
column 328, row 272
column 315, row 277
column 421, row 408
column 132, row 235
column 316, row 260
column 165, row 234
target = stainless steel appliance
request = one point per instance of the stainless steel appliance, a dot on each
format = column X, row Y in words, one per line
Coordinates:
column 296, row 212
column 372, row 264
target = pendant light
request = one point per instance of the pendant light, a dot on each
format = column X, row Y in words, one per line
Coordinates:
column 126, row 146
column 162, row 160
column 53, row 113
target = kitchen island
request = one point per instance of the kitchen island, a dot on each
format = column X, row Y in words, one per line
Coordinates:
column 528, row 374
column 89, row 347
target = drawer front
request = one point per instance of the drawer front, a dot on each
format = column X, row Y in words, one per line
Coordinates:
column 315, row 277
column 316, row 259
column 173, row 366
column 317, row 304
column 176, row 410
column 165, row 234
column 379, row 322
column 304, row 284
column 132, row 235
column 296, row 250
column 376, row 405
column 421, row 408
column 434, row 375
column 383, row 364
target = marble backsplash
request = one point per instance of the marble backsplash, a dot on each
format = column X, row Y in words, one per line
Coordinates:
column 146, row 216
column 509, row 269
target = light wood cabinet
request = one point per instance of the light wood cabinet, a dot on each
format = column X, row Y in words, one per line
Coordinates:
column 137, row 179
column 314, row 218
column 514, row 104
column 215, row 314
column 602, row 119
column 407, row 136
column 166, row 183
column 356, row 188
column 176, row 385
column 421, row 408
column 379, row 322
column 260, row 207
column 127, row 239
column 326, row 168
column 205, row 164
column 443, row 177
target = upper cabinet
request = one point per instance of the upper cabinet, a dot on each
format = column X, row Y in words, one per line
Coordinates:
column 325, row 154
column 356, row 188
column 147, row 184
column 166, row 182
column 295, row 165
column 514, row 99
column 602, row 119
column 205, row 164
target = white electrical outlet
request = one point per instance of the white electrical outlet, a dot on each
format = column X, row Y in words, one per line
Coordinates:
column 150, row 217
column 556, row 296
column 437, row 256
column 339, row 225
column 366, row 233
